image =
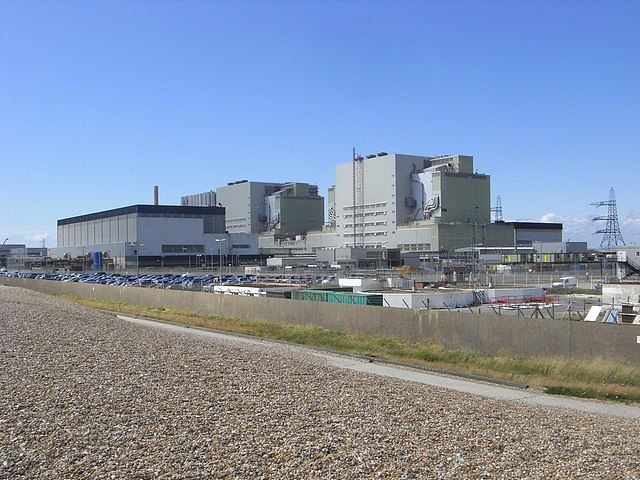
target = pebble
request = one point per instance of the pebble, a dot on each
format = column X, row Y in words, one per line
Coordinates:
column 85, row 395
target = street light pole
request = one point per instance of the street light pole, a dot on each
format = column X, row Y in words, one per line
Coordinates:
column 220, row 240
column 137, row 252
column 185, row 250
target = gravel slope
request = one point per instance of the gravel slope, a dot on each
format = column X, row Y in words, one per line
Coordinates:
column 85, row 395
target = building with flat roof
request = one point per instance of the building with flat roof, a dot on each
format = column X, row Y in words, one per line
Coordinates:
column 16, row 256
column 153, row 236
column 417, row 204
column 281, row 210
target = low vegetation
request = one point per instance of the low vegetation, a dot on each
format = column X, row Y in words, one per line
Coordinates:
column 590, row 378
column 574, row 291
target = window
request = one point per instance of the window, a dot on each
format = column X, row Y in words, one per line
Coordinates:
column 184, row 249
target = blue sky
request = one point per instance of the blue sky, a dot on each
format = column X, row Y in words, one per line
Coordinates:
column 100, row 101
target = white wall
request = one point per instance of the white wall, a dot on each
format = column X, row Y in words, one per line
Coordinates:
column 428, row 299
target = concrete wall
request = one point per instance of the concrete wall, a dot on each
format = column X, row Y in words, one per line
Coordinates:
column 455, row 330
column 619, row 293
column 431, row 299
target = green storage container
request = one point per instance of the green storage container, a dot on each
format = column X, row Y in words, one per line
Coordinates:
column 348, row 298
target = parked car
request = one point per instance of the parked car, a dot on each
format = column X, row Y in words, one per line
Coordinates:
column 565, row 282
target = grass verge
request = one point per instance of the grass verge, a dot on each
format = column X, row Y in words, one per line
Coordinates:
column 590, row 378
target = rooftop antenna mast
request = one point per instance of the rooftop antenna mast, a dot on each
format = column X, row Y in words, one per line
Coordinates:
column 612, row 237
column 497, row 210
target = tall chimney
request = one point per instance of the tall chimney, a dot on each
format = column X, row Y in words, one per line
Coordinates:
column 155, row 195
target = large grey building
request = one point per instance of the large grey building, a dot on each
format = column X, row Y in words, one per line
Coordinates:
column 394, row 200
column 279, row 209
column 417, row 203
column 153, row 235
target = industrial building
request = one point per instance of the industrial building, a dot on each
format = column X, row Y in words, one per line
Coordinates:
column 281, row 210
column 153, row 236
column 378, row 195
column 16, row 256
column 382, row 209
column 418, row 204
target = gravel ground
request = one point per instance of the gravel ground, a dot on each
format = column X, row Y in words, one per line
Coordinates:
column 85, row 395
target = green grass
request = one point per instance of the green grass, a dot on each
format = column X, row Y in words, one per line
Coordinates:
column 593, row 378
column 589, row 393
column 572, row 291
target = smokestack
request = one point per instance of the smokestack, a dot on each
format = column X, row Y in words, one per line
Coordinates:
column 155, row 195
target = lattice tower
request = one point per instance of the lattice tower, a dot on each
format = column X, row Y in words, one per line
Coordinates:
column 497, row 210
column 612, row 237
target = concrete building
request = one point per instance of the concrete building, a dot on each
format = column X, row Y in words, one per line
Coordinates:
column 418, row 205
column 282, row 210
column 401, row 200
column 560, row 247
column 421, row 204
column 153, row 236
column 16, row 256
column 528, row 233
column 205, row 199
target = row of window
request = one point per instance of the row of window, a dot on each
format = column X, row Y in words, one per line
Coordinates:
column 414, row 247
column 366, row 214
column 367, row 234
column 183, row 249
column 366, row 224
column 366, row 205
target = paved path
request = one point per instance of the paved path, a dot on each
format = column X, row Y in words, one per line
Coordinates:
column 420, row 376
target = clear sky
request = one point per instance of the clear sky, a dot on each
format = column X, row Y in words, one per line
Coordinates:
column 102, row 100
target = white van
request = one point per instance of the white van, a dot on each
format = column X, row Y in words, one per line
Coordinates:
column 565, row 282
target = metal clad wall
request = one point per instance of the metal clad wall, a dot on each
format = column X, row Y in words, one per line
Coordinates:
column 300, row 214
column 122, row 228
column 91, row 231
column 456, row 194
column 132, row 228
column 155, row 231
column 113, row 230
